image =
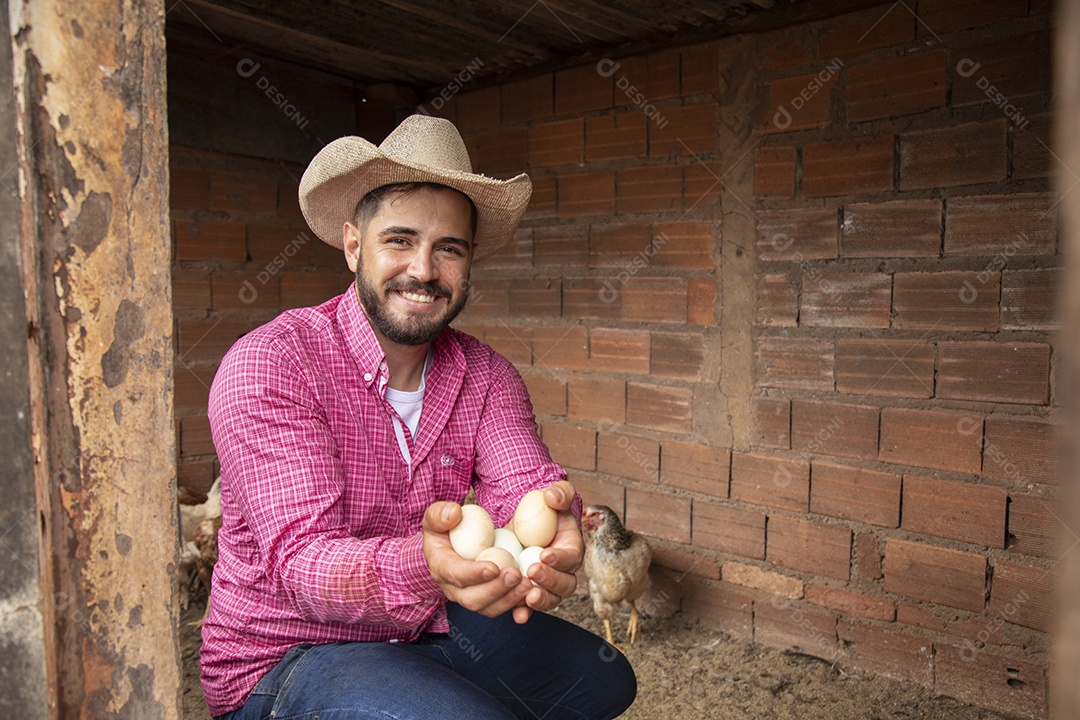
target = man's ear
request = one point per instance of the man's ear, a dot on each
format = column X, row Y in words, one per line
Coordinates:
column 351, row 244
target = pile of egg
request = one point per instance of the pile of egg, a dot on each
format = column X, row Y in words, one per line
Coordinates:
column 518, row 544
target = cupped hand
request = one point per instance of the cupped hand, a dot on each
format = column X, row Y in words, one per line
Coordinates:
column 554, row 575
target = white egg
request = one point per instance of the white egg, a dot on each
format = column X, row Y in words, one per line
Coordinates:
column 499, row 556
column 505, row 539
column 529, row 557
column 535, row 521
column 474, row 533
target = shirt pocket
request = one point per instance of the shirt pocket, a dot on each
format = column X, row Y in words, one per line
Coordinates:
column 451, row 471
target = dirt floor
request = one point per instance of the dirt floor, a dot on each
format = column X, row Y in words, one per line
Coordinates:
column 686, row 672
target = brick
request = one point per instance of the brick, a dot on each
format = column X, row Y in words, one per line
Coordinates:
column 1031, row 156
column 195, row 478
column 899, row 86
column 785, row 625
column 769, row 481
column 515, row 344
column 701, row 185
column 845, row 167
column 960, row 511
column 887, row 651
column 1023, row 224
column 616, row 137
column 942, row 16
column 627, row 247
column 276, row 247
column 190, row 290
column 688, row 130
column 720, row 606
column 478, row 109
column 209, row 339
column 683, row 561
column 571, row 445
column 189, row 188
column 677, row 355
column 631, row 81
column 1034, row 528
column 953, row 156
column 827, row 428
column 581, row 89
column 659, row 407
column 772, row 418
column 195, row 436
column 868, row 556
column 589, row 193
column 802, row 102
column 1029, row 299
column 191, row 386
column 700, row 69
column 695, row 467
column 803, row 234
column 253, row 192
column 995, row 372
column 626, row 455
column 597, row 399
column 798, row 363
column 560, row 142
column 528, row 100
column 243, row 290
column 1014, row 67
column 905, row 228
column 596, row 490
column 777, row 301
column 685, row 245
column 561, row 245
column 657, row 300
column 1024, row 595
column 1021, row 450
column 488, row 298
column 592, row 298
column 752, row 576
column 305, row 289
column 560, row 347
column 774, row 172
column 931, row 438
column 208, row 240
column 918, row 616
column 701, row 301
column 1000, row 678
column 853, row 603
column 941, row 575
column 504, row 151
column 846, row 299
column 535, row 298
column 615, row 350
column 649, row 188
column 288, row 200
column 854, row 493
column 809, row 546
column 544, row 201
column 953, row 300
column 727, row 529
column 898, row 368
column 861, row 32
column 547, row 393
column 658, row 514
column 663, row 74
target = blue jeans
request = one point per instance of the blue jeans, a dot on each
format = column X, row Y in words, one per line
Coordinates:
column 484, row 669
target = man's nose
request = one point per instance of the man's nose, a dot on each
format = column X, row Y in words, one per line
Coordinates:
column 422, row 266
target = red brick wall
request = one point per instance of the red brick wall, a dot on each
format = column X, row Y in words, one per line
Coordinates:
column 859, row 460
column 242, row 253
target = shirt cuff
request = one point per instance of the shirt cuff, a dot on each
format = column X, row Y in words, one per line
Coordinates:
column 415, row 571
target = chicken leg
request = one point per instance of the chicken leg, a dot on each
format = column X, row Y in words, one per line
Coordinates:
column 633, row 621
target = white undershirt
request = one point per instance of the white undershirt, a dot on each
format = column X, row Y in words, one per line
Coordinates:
column 409, row 406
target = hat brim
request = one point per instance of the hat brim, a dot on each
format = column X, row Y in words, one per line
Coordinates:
column 347, row 169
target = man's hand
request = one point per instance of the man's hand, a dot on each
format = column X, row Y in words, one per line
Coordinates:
column 476, row 586
column 559, row 561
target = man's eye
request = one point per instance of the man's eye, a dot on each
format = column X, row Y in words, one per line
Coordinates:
column 398, row 241
column 452, row 250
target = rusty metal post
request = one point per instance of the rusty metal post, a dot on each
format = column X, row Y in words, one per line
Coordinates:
column 1065, row 692
column 93, row 178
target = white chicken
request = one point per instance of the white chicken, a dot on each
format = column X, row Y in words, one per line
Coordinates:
column 199, row 525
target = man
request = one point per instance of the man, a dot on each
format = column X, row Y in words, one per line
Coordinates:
column 349, row 433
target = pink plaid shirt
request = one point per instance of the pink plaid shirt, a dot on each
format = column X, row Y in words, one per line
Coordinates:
column 320, row 539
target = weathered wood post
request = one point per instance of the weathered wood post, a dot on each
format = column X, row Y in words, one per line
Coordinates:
column 92, row 175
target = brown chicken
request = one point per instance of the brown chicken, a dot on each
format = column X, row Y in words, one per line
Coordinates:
column 617, row 563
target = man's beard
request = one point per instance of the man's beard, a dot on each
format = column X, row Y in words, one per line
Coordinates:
column 409, row 330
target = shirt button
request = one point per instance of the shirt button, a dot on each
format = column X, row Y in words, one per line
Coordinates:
column 367, row 377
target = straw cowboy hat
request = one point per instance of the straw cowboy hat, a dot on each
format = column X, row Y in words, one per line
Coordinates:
column 420, row 149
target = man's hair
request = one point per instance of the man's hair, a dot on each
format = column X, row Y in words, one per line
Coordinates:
column 370, row 204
